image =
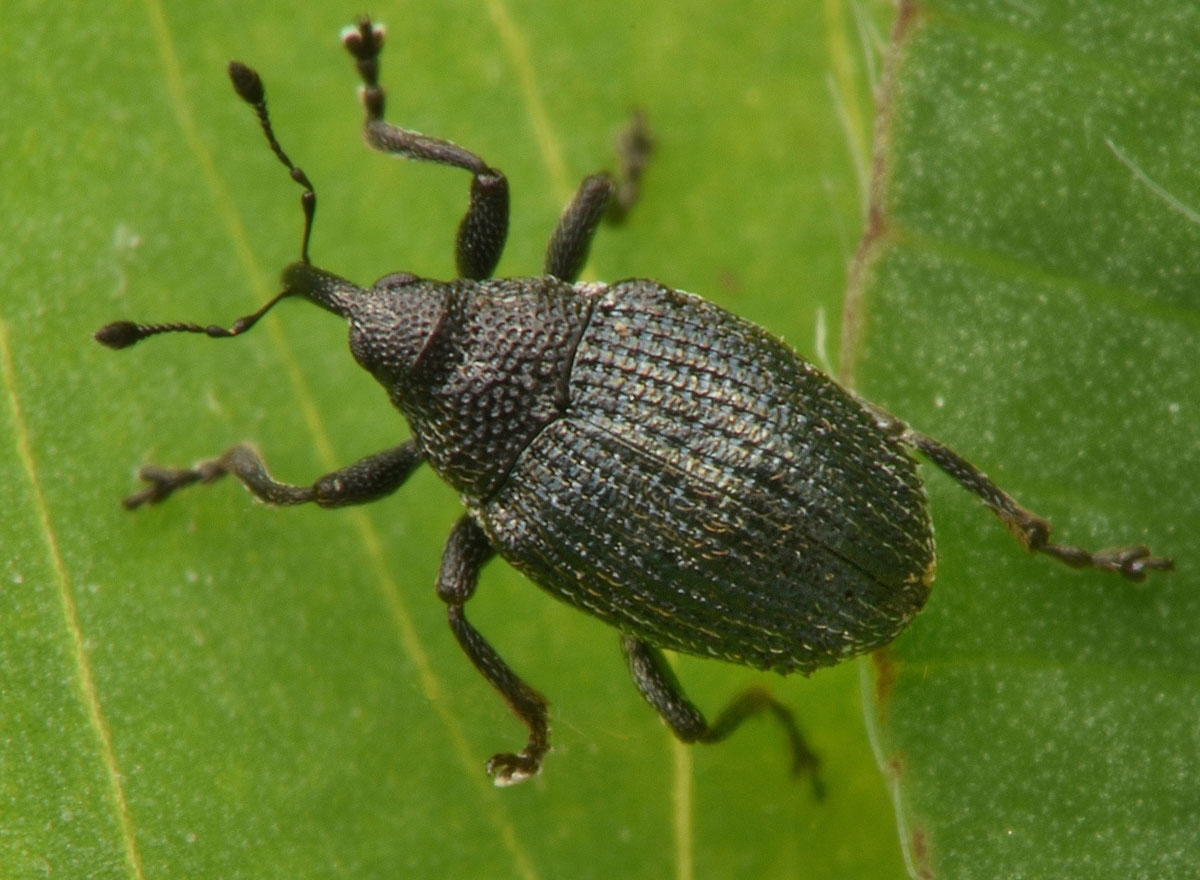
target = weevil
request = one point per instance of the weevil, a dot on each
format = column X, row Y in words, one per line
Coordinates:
column 633, row 449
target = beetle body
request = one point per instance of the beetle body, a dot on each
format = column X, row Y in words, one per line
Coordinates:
column 661, row 463
column 635, row 450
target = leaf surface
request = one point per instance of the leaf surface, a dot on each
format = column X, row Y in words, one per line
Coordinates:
column 1028, row 294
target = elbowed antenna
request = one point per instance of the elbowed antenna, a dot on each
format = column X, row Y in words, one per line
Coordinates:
column 122, row 334
column 249, row 86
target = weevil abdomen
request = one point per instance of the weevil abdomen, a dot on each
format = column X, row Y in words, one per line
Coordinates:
column 709, row 491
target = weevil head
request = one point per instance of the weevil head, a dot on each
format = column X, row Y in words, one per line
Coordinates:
column 390, row 322
column 390, row 325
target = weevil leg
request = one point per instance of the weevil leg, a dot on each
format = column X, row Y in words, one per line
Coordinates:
column 484, row 227
column 467, row 549
column 634, row 146
column 1031, row 530
column 661, row 689
column 594, row 201
column 368, row 479
column 572, row 237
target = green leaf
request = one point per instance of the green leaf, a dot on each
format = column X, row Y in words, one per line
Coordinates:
column 215, row 689
column 1029, row 295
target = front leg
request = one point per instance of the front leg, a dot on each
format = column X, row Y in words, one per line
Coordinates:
column 484, row 227
column 368, row 479
column 466, row 552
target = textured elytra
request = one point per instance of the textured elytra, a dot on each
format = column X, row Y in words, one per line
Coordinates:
column 672, row 469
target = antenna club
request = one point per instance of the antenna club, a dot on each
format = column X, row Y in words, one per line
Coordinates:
column 118, row 334
column 246, row 82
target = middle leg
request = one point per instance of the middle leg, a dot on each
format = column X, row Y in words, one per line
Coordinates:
column 594, row 201
column 467, row 550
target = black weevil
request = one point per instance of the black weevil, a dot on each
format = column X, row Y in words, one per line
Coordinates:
column 633, row 449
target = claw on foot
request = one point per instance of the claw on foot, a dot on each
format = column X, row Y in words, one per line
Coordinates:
column 1129, row 562
column 508, row 769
